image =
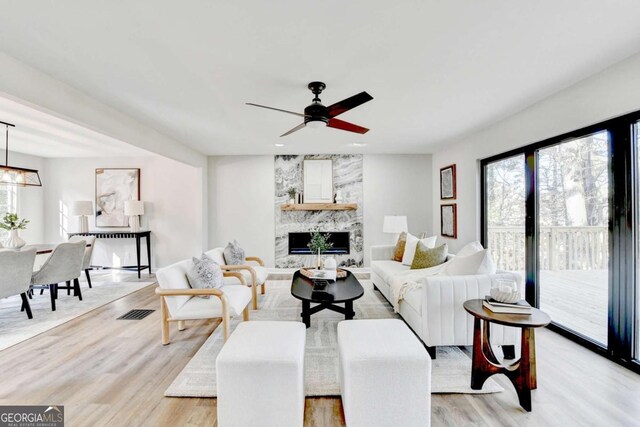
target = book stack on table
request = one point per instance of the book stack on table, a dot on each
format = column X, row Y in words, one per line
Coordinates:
column 520, row 307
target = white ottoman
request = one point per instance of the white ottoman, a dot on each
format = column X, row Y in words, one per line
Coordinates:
column 260, row 373
column 385, row 374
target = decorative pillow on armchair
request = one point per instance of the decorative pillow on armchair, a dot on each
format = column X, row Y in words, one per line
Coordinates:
column 234, row 254
column 429, row 257
column 205, row 274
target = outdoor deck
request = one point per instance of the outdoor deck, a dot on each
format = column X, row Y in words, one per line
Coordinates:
column 577, row 299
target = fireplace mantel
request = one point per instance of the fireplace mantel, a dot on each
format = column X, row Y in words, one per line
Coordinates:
column 319, row 207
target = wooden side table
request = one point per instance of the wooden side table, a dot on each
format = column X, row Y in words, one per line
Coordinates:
column 522, row 372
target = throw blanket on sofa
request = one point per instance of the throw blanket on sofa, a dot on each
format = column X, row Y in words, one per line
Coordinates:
column 408, row 280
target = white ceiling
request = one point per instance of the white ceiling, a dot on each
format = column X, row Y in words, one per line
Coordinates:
column 436, row 69
column 44, row 135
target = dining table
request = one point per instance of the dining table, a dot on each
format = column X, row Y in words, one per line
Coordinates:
column 44, row 248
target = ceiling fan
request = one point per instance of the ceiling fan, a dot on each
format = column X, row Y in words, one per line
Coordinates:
column 316, row 114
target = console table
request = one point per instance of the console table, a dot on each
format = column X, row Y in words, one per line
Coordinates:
column 137, row 235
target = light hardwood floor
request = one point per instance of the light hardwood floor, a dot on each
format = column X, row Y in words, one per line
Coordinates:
column 114, row 372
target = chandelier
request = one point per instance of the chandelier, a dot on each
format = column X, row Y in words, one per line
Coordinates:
column 12, row 175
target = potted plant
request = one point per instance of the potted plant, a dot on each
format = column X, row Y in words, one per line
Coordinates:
column 292, row 195
column 12, row 224
column 319, row 243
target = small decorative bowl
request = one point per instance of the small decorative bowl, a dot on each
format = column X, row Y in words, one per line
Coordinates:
column 507, row 297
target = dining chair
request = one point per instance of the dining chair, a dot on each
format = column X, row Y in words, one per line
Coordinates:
column 88, row 252
column 16, row 268
column 64, row 265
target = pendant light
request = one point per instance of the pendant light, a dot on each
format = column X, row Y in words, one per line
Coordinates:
column 11, row 175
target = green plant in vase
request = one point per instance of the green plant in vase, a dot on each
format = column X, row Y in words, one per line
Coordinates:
column 292, row 194
column 12, row 223
column 319, row 243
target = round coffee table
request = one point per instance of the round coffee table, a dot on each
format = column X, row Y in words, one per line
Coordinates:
column 344, row 291
column 522, row 373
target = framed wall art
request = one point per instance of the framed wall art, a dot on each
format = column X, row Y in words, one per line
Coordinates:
column 448, row 182
column 449, row 221
column 113, row 188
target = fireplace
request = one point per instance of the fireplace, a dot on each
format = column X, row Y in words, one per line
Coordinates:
column 340, row 239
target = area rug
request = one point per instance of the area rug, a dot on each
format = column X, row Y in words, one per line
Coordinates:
column 15, row 327
column 451, row 371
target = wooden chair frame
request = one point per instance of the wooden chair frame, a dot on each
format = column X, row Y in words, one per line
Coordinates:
column 164, row 310
column 254, row 284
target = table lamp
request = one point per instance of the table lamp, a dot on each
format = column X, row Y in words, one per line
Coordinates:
column 82, row 209
column 394, row 224
column 133, row 209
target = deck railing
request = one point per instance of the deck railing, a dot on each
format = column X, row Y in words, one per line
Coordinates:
column 561, row 248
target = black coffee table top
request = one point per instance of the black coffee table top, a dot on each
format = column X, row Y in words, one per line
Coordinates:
column 342, row 290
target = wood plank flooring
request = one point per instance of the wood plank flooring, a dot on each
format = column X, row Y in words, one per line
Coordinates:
column 114, row 372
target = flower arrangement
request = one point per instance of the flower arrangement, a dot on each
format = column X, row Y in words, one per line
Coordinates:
column 10, row 221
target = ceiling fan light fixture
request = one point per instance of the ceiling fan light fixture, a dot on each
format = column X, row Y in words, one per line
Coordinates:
column 316, row 124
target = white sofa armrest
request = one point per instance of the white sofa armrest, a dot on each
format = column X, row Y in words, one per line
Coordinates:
column 444, row 319
column 382, row 252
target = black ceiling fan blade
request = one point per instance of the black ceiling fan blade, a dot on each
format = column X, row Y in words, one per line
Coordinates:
column 297, row 128
column 342, row 125
column 348, row 104
column 276, row 109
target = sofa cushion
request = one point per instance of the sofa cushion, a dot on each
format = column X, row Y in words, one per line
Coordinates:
column 216, row 254
column 470, row 249
column 429, row 257
column 261, row 274
column 398, row 252
column 388, row 269
column 412, row 243
column 478, row 263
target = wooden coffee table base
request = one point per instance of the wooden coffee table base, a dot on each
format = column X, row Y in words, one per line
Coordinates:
column 522, row 372
column 307, row 310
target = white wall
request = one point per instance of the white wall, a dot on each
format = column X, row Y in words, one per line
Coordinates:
column 173, row 206
column 396, row 185
column 610, row 93
column 241, row 199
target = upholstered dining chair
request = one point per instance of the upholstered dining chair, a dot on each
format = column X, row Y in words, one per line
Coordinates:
column 64, row 265
column 179, row 302
column 16, row 268
column 255, row 275
column 88, row 252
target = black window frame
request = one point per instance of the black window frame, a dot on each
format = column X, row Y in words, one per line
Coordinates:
column 622, row 297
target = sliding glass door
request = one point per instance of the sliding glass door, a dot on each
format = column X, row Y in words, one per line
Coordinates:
column 566, row 212
column 573, row 223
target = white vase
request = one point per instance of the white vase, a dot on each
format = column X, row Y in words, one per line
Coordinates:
column 292, row 201
column 15, row 241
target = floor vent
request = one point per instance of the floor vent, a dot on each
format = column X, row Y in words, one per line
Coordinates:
column 136, row 314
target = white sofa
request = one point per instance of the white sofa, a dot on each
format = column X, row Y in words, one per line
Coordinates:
column 434, row 310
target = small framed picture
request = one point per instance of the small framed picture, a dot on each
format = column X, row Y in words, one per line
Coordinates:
column 449, row 221
column 448, row 182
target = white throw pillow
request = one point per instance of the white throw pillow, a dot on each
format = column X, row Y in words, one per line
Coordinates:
column 412, row 243
column 477, row 263
column 470, row 249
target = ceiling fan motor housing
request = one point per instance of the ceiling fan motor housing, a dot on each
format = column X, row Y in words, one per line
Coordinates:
column 316, row 112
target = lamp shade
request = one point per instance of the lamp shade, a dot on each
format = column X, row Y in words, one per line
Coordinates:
column 133, row 207
column 394, row 224
column 80, row 208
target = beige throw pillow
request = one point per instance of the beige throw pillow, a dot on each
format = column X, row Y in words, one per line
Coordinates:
column 398, row 252
column 412, row 243
column 429, row 257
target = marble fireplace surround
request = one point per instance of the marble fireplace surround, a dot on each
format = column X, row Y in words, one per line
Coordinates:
column 347, row 177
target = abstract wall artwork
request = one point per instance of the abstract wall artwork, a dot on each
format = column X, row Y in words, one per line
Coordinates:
column 448, row 182
column 113, row 188
column 448, row 221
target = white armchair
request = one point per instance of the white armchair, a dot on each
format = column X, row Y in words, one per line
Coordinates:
column 255, row 275
column 17, row 267
column 179, row 302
